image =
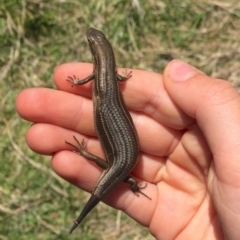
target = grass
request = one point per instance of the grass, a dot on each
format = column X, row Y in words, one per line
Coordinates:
column 36, row 36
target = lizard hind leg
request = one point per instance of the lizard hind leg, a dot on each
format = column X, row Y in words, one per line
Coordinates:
column 136, row 187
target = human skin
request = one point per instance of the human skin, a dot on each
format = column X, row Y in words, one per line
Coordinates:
column 188, row 126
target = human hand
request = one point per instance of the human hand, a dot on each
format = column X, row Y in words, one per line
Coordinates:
column 188, row 135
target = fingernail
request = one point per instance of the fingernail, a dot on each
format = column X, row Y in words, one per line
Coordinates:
column 181, row 71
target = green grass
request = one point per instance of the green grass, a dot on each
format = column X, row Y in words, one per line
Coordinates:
column 36, row 36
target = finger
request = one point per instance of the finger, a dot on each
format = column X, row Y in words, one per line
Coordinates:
column 56, row 107
column 72, row 168
column 75, row 113
column 48, row 139
column 143, row 92
column 215, row 104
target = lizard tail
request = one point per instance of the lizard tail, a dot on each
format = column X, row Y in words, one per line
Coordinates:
column 92, row 202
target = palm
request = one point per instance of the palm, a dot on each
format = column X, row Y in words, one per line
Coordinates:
column 181, row 181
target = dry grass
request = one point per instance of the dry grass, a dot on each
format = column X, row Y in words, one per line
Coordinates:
column 36, row 36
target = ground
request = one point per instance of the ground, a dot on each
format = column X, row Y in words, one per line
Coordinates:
column 36, row 36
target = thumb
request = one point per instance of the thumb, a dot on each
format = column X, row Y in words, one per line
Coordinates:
column 215, row 105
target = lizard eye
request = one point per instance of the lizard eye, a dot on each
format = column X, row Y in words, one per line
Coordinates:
column 99, row 38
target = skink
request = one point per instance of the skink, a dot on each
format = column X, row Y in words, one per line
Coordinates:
column 113, row 124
